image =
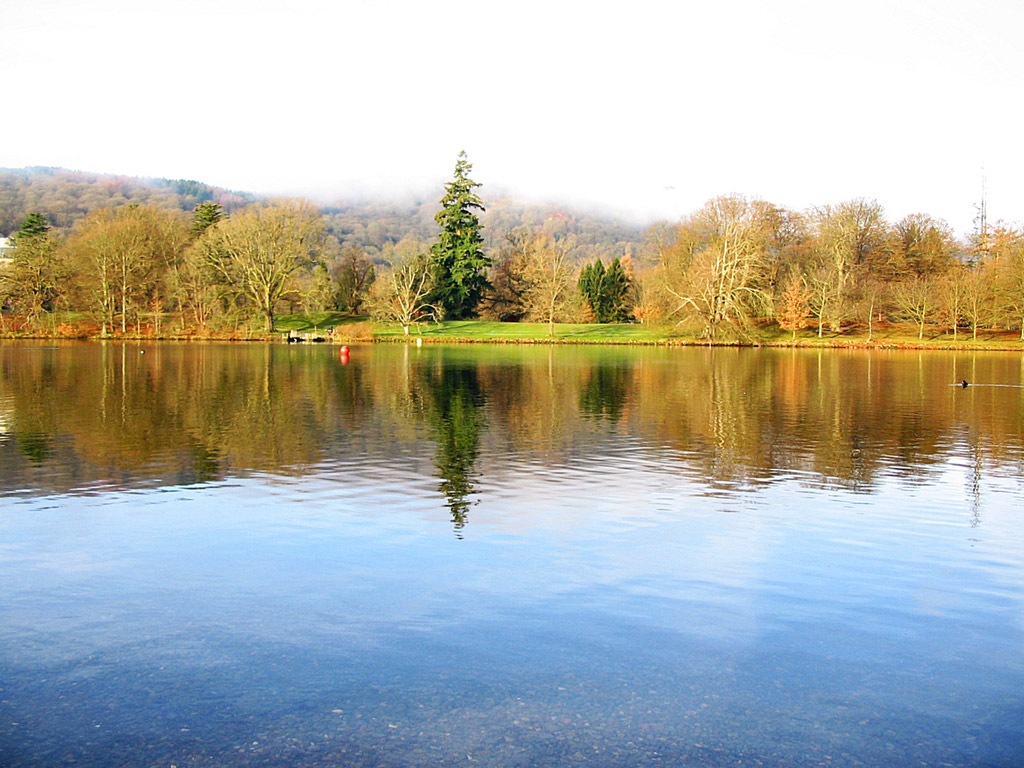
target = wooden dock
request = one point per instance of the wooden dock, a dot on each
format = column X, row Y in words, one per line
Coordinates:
column 307, row 337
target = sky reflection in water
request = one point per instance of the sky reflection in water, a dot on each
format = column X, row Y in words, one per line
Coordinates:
column 257, row 556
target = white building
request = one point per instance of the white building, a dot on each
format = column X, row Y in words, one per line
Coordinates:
column 6, row 246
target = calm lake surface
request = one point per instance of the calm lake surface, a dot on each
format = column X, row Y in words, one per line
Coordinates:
column 249, row 555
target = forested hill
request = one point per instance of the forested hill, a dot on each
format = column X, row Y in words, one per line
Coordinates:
column 65, row 196
column 372, row 225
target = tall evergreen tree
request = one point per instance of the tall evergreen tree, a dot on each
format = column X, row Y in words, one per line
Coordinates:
column 457, row 258
column 615, row 294
column 606, row 291
column 591, row 285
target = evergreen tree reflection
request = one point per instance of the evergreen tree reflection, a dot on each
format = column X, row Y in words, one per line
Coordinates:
column 604, row 394
column 35, row 446
column 204, row 465
column 454, row 399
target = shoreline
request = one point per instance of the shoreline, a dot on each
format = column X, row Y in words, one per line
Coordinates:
column 851, row 343
column 336, row 328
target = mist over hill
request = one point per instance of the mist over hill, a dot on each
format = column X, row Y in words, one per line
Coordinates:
column 64, row 196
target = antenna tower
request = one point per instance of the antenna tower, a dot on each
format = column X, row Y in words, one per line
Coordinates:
column 984, row 205
column 982, row 245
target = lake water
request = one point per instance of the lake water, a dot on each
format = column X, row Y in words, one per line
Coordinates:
column 249, row 555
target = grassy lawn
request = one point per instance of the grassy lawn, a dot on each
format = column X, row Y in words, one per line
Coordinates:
column 632, row 333
column 348, row 329
column 473, row 330
column 484, row 330
column 316, row 321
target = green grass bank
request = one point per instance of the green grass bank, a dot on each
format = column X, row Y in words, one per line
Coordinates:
column 340, row 328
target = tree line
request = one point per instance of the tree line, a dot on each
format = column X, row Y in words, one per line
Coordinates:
column 736, row 262
column 721, row 272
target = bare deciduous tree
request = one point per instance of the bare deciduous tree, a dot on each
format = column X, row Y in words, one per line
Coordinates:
column 1006, row 265
column 722, row 281
column 121, row 253
column 845, row 237
column 916, row 298
column 259, row 249
column 548, row 278
column 400, row 294
column 353, row 272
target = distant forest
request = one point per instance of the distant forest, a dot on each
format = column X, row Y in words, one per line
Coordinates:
column 65, row 197
column 94, row 253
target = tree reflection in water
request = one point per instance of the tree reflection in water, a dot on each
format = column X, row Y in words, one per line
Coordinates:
column 75, row 415
column 454, row 399
column 604, row 394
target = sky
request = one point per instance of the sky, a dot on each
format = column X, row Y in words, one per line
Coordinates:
column 644, row 110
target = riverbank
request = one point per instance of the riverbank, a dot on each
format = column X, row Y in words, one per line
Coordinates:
column 337, row 328
column 883, row 336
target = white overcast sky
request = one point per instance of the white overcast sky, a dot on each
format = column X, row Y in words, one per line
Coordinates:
column 644, row 109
